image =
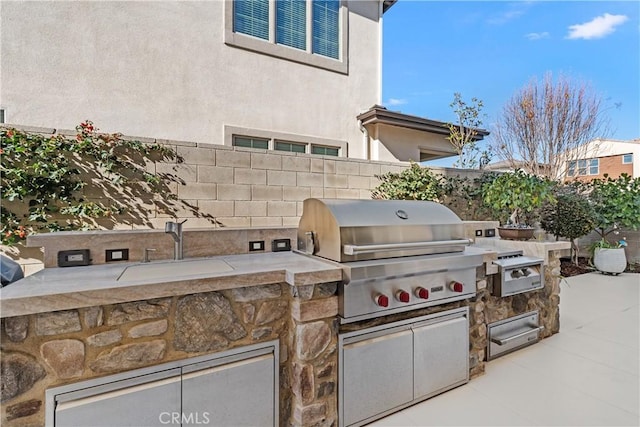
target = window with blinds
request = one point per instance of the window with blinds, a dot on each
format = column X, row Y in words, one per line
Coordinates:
column 251, row 17
column 326, row 28
column 291, row 23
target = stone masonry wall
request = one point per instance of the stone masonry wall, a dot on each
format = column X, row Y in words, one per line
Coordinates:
column 51, row 349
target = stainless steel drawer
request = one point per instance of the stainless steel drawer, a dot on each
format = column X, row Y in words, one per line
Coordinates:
column 512, row 334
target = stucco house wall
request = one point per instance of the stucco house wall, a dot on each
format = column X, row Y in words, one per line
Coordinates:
column 170, row 69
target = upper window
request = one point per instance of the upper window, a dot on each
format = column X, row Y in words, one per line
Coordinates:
column 326, row 28
column 583, row 167
column 291, row 23
column 252, row 17
column 627, row 158
column 307, row 31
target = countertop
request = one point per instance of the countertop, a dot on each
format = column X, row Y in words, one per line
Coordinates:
column 54, row 289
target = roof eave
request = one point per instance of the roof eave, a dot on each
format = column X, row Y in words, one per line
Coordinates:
column 386, row 4
column 380, row 115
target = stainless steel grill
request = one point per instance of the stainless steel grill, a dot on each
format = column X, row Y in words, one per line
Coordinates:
column 396, row 255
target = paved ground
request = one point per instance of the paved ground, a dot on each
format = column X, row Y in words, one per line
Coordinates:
column 586, row 375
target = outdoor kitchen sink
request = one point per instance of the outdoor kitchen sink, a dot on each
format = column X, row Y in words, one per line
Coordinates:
column 174, row 269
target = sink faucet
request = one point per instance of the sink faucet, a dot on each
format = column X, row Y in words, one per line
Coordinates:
column 175, row 230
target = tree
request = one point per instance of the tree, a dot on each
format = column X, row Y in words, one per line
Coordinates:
column 571, row 216
column 616, row 203
column 464, row 135
column 548, row 123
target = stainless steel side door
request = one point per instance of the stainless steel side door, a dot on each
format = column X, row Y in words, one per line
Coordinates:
column 231, row 393
column 377, row 373
column 441, row 355
column 148, row 400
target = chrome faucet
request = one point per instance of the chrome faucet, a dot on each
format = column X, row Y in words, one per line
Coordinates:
column 175, row 230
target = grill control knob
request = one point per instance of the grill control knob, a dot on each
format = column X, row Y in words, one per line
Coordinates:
column 422, row 293
column 403, row 296
column 382, row 300
column 516, row 273
column 526, row 272
column 456, row 286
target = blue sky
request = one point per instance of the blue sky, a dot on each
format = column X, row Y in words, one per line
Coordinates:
column 490, row 50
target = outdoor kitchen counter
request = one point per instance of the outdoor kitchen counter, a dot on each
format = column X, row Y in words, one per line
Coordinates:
column 54, row 289
column 533, row 248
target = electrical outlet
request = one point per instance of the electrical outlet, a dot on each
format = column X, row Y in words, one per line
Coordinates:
column 478, row 233
column 116, row 255
column 74, row 257
column 490, row 232
column 257, row 245
column 281, row 245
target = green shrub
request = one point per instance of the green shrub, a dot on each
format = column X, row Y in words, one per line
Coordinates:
column 516, row 197
column 413, row 183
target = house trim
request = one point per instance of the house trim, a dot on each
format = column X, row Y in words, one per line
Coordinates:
column 380, row 115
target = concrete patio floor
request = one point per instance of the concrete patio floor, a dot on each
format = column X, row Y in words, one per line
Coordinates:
column 586, row 375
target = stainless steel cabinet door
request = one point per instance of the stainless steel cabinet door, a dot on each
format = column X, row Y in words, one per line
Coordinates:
column 377, row 374
column 149, row 400
column 240, row 393
column 441, row 356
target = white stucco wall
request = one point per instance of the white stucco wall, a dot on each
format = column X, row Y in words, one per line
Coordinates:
column 163, row 69
column 392, row 143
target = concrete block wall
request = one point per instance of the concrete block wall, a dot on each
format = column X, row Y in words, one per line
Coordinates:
column 243, row 187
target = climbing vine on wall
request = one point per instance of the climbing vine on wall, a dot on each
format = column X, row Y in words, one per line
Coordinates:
column 44, row 179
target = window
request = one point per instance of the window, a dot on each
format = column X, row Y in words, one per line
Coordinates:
column 290, row 146
column 627, row 159
column 326, row 28
column 325, row 151
column 252, row 17
column 243, row 141
column 583, row 167
column 281, row 141
column 307, row 31
column 291, row 23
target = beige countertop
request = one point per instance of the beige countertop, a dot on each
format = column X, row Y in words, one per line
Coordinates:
column 54, row 289
column 534, row 248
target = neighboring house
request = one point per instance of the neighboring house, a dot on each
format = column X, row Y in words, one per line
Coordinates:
column 287, row 75
column 610, row 157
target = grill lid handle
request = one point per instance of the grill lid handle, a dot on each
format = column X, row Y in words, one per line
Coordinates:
column 366, row 249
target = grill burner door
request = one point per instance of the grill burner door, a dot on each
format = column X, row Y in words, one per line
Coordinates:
column 517, row 275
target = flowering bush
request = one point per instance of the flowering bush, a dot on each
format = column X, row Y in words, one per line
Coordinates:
column 43, row 177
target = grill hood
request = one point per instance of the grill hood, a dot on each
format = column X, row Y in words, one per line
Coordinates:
column 345, row 230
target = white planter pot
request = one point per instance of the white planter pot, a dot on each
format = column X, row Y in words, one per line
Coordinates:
column 610, row 260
